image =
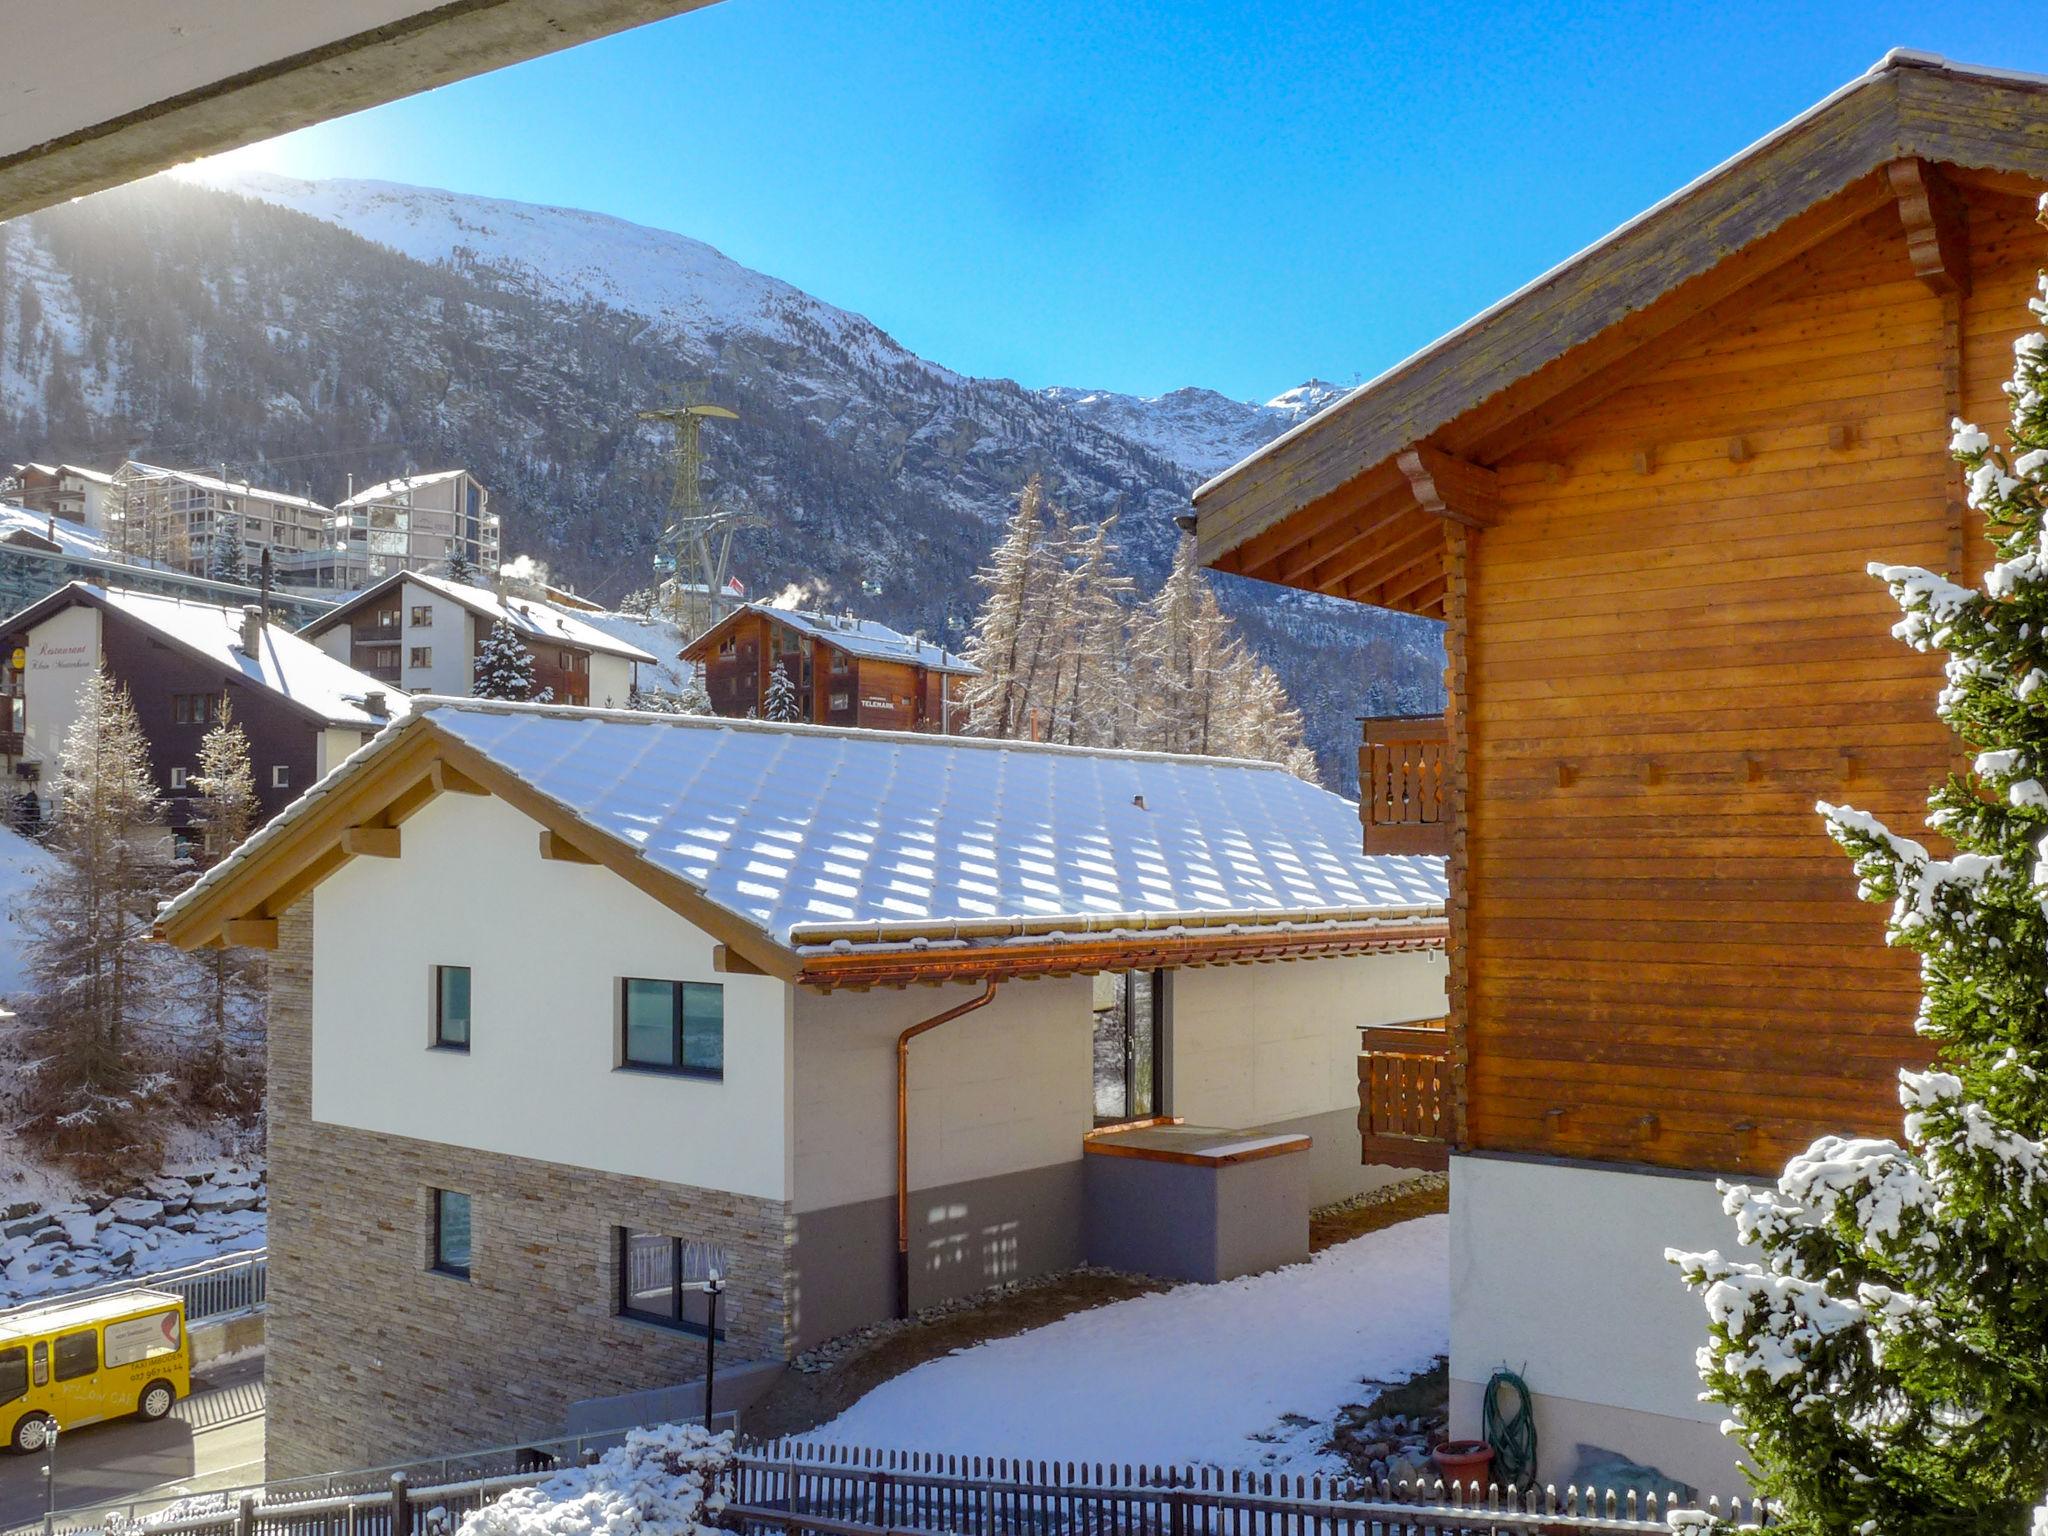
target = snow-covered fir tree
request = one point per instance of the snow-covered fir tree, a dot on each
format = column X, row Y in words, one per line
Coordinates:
column 1885, row 1363
column 781, row 703
column 695, row 699
column 461, row 568
column 504, row 667
column 225, row 560
column 225, row 807
column 90, row 1070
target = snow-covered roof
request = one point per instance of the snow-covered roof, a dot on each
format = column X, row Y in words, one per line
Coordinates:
column 98, row 476
column 827, row 840
column 225, row 487
column 394, row 490
column 72, row 538
column 529, row 616
column 857, row 637
column 296, row 670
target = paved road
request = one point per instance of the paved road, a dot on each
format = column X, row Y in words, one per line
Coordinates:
column 213, row 1439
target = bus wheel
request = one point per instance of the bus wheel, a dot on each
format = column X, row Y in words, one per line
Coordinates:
column 32, row 1433
column 156, row 1400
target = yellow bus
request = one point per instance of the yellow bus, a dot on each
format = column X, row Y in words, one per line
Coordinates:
column 78, row 1362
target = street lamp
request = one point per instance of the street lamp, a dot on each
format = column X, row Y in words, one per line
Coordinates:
column 50, row 1479
column 714, row 1287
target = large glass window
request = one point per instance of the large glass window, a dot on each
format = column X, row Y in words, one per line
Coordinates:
column 451, row 1233
column 451, row 1007
column 673, row 1026
column 78, row 1354
column 661, row 1280
column 13, row 1373
column 1127, row 1029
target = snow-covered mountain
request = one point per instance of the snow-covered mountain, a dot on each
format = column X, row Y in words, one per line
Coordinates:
column 305, row 331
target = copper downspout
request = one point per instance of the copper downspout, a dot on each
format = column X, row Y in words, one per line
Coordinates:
column 903, row 1040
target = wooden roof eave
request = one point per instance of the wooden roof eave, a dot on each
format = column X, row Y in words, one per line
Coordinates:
column 1908, row 107
column 418, row 763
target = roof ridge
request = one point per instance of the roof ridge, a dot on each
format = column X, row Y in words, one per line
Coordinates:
column 426, row 703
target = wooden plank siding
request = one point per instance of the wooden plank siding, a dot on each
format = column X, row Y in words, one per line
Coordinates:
column 1668, row 650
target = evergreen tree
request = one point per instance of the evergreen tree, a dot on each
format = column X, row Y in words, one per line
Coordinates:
column 460, row 568
column 227, row 808
column 1886, row 1363
column 226, row 561
column 695, row 699
column 1006, row 635
column 504, row 667
column 782, row 703
column 89, row 1080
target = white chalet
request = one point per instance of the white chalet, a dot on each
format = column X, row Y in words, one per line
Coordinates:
column 569, row 1004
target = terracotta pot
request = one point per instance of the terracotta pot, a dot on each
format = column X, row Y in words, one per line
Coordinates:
column 1463, row 1461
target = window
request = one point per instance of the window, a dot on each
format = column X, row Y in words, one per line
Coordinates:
column 177, row 778
column 281, row 777
column 673, row 1026
column 40, row 1375
column 195, row 708
column 839, row 661
column 13, row 1373
column 78, row 1354
column 142, row 1338
column 422, row 656
column 659, row 1280
column 728, row 646
column 842, row 699
column 451, row 1233
column 451, row 1007
column 1127, row 1066
column 423, row 616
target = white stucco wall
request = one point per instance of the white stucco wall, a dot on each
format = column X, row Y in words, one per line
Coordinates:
column 1558, row 1272
column 449, row 638
column 63, row 651
column 1256, row 1043
column 333, row 744
column 1005, row 1089
column 548, row 944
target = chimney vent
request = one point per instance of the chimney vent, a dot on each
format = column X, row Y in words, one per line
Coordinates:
column 252, row 631
column 374, row 703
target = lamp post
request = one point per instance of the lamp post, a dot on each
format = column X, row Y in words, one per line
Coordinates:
column 714, row 1287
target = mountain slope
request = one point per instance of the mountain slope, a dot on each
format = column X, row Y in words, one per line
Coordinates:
column 305, row 331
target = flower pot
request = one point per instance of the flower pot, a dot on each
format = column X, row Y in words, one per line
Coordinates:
column 1463, row 1461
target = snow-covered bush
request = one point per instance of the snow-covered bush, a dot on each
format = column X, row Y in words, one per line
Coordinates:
column 666, row 1481
column 1885, row 1362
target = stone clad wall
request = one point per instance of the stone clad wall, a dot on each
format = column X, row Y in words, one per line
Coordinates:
column 374, row 1358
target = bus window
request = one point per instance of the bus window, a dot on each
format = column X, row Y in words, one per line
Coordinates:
column 13, row 1373
column 42, row 1370
column 78, row 1354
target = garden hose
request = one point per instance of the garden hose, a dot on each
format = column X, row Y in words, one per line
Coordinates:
column 1512, row 1435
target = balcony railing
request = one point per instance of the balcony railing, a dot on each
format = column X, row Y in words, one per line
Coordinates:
column 1402, row 799
column 1404, row 1095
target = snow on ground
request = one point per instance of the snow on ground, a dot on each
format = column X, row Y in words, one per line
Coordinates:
column 1249, row 1373
column 21, row 861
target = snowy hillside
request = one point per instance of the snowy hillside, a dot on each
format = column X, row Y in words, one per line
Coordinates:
column 1199, row 429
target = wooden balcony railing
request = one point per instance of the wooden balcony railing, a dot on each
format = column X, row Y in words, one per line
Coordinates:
column 1402, row 763
column 1404, row 1096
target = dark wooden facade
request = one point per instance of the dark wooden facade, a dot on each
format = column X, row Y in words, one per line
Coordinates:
column 1649, row 550
column 834, row 685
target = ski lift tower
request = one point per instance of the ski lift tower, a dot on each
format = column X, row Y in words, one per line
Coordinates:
column 697, row 542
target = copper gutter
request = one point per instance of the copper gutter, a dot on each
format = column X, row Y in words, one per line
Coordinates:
column 903, row 1040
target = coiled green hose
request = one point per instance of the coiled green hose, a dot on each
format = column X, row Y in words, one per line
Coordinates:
column 1512, row 1436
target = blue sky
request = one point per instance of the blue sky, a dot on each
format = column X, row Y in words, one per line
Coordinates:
column 1137, row 194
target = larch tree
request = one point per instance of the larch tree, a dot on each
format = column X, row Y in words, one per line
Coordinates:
column 226, row 808
column 1007, row 635
column 1885, row 1360
column 1184, row 646
column 504, row 667
column 781, row 703
column 90, row 1073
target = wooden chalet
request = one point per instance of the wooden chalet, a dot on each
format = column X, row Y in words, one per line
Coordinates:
column 846, row 671
column 1641, row 494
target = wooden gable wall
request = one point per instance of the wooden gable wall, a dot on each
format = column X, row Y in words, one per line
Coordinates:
column 1671, row 650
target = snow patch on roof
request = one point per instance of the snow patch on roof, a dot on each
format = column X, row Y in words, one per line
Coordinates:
column 865, row 637
column 391, row 490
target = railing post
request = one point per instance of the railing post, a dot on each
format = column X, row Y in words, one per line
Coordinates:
column 401, row 1506
column 245, row 1515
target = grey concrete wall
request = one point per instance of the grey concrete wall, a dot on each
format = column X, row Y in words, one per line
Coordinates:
column 963, row 1238
column 739, row 1387
column 214, row 1340
column 1183, row 1221
column 1334, row 1172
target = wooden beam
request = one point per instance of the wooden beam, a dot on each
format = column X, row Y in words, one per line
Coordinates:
column 727, row 963
column 249, row 933
column 554, row 846
column 447, row 779
column 370, row 842
column 1937, row 227
column 1452, row 488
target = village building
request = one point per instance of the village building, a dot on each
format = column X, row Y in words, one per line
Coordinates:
column 182, row 518
column 68, row 491
column 842, row 670
column 417, row 522
column 570, row 1006
column 182, row 663
column 1641, row 494
column 423, row 633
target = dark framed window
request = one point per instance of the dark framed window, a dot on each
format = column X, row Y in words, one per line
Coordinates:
column 451, row 1007
column 672, row 1026
column 660, row 1280
column 13, row 1373
column 281, row 777
column 195, row 708
column 451, row 1233
column 422, row 656
column 78, row 1354
column 1129, row 1012
column 423, row 616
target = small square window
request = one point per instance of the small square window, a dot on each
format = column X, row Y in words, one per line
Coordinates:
column 673, row 1026
column 422, row 656
column 423, row 616
column 78, row 1354
column 451, row 1007
column 177, row 778
column 451, row 1233
column 281, row 777
column 728, row 646
column 842, row 700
